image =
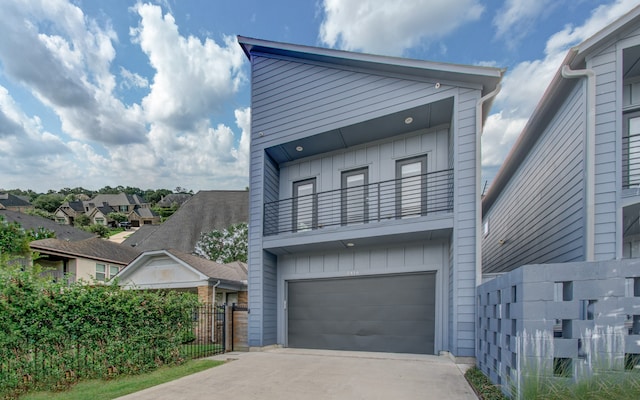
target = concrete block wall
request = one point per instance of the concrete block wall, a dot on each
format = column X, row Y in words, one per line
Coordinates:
column 559, row 320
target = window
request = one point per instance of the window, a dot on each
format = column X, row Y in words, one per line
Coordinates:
column 305, row 205
column 113, row 271
column 411, row 188
column 61, row 221
column 100, row 221
column 631, row 149
column 123, row 209
column 100, row 272
column 354, row 196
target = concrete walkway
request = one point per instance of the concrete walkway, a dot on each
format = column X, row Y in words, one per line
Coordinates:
column 319, row 374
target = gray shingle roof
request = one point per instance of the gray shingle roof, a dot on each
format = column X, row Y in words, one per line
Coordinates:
column 9, row 200
column 63, row 232
column 114, row 200
column 178, row 198
column 145, row 212
column 236, row 271
column 94, row 248
column 205, row 211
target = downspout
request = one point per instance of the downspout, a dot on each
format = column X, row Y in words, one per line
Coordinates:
column 479, row 128
column 589, row 159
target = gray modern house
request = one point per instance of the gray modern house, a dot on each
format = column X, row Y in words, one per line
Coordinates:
column 364, row 205
column 570, row 188
column 561, row 224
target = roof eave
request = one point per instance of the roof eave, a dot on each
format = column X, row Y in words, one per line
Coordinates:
column 488, row 76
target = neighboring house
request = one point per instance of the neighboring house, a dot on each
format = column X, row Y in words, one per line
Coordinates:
column 87, row 259
column 121, row 202
column 63, row 232
column 205, row 211
column 14, row 203
column 365, row 205
column 143, row 216
column 173, row 269
column 173, row 199
column 99, row 208
column 561, row 216
column 570, row 188
column 68, row 211
column 99, row 214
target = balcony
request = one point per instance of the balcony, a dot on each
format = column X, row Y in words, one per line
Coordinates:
column 631, row 161
column 410, row 197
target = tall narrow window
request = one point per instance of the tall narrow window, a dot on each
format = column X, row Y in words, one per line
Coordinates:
column 100, row 272
column 354, row 196
column 631, row 149
column 305, row 204
column 411, row 188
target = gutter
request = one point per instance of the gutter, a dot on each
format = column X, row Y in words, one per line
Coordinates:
column 478, row 205
column 589, row 159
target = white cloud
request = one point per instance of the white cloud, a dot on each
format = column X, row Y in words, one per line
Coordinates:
column 517, row 17
column 132, row 80
column 67, row 68
column 524, row 85
column 170, row 138
column 193, row 78
column 23, row 139
column 391, row 27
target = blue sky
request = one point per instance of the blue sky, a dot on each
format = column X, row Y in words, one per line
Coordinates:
column 156, row 94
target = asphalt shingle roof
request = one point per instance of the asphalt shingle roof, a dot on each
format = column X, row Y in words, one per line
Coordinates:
column 235, row 271
column 9, row 200
column 93, row 248
column 205, row 211
column 63, row 232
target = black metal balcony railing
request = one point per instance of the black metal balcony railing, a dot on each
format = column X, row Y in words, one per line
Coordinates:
column 393, row 199
column 630, row 161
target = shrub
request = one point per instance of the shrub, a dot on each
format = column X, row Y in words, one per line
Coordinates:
column 52, row 334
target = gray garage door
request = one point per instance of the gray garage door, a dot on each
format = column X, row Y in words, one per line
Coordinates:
column 390, row 313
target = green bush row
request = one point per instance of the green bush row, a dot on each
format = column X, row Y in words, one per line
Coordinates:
column 52, row 334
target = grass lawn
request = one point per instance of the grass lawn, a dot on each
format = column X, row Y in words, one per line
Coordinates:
column 98, row 389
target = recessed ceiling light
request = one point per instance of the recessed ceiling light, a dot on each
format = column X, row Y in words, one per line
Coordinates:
column 350, row 244
column 408, row 120
column 299, row 148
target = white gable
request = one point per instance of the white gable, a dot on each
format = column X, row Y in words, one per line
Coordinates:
column 161, row 271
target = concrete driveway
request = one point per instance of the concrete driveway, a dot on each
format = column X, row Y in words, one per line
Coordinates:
column 319, row 374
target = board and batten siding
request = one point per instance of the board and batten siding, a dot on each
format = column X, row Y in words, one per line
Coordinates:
column 291, row 99
column 539, row 216
column 378, row 157
column 380, row 260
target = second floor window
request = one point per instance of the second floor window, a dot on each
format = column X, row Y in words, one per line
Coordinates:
column 101, row 271
column 354, row 196
column 411, row 187
column 305, row 204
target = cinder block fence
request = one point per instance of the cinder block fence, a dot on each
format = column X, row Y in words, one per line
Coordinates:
column 559, row 321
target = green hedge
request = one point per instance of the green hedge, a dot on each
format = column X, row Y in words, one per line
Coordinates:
column 52, row 334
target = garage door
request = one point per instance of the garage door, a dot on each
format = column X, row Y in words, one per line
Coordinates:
column 390, row 313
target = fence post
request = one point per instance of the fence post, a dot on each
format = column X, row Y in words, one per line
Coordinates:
column 228, row 326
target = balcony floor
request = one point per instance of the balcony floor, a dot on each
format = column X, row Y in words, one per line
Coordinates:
column 332, row 238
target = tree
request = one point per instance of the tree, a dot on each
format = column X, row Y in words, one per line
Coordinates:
column 41, row 213
column 100, row 230
column 49, row 202
column 14, row 240
column 117, row 216
column 224, row 246
column 82, row 220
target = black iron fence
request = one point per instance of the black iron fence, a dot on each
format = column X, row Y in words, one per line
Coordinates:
column 27, row 365
column 393, row 199
column 631, row 161
column 207, row 336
